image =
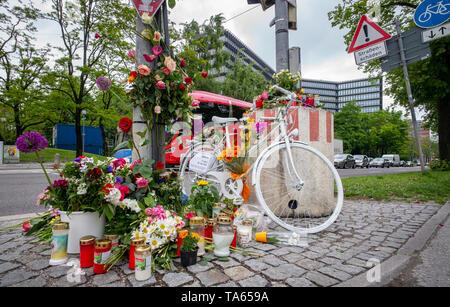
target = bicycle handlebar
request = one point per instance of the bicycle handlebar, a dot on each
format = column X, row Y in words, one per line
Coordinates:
column 289, row 95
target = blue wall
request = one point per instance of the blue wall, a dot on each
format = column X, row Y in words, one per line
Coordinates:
column 65, row 138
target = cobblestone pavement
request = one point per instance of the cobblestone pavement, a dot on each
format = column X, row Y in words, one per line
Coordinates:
column 364, row 230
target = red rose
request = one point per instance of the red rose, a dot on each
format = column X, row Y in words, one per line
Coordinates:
column 26, row 226
column 133, row 74
column 159, row 165
column 125, row 124
column 182, row 87
column 124, row 190
column 97, row 35
column 183, row 63
column 166, row 71
column 188, row 80
column 204, row 74
column 259, row 104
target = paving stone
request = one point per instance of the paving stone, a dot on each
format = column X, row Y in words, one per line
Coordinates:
column 311, row 255
column 7, row 246
column 194, row 284
column 257, row 264
column 173, row 279
column 330, row 260
column 70, row 281
column 230, row 284
column 57, row 271
column 348, row 268
column 136, row 283
column 196, row 268
column 126, row 269
column 9, row 256
column 299, row 282
column 310, row 265
column 280, row 252
column 8, row 266
column 293, row 257
column 273, row 260
column 356, row 262
column 238, row 273
column 254, row 281
column 212, row 277
column 284, row 271
column 34, row 282
column 226, row 264
column 103, row 279
column 263, row 246
column 321, row 279
column 335, row 273
column 117, row 284
column 16, row 276
column 38, row 264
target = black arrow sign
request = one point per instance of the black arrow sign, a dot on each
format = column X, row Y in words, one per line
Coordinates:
column 442, row 29
column 431, row 34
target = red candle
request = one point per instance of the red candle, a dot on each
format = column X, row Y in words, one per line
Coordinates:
column 87, row 251
column 209, row 228
column 233, row 243
column 133, row 244
column 102, row 251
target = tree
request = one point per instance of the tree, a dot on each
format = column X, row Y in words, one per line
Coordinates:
column 89, row 29
column 429, row 78
column 348, row 126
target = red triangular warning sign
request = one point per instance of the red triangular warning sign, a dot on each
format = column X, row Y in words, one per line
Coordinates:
column 367, row 33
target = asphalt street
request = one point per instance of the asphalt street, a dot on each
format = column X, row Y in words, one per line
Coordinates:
column 19, row 188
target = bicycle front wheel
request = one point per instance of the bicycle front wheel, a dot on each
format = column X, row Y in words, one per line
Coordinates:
column 307, row 203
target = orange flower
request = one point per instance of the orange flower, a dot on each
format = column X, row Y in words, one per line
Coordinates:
column 157, row 36
column 183, row 234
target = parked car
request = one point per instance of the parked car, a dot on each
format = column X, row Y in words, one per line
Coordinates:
column 344, row 161
column 361, row 161
column 402, row 163
column 409, row 164
column 394, row 160
column 380, row 162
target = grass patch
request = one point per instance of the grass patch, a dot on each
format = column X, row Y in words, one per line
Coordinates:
column 415, row 186
column 48, row 155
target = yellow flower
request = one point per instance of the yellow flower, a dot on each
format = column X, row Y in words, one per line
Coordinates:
column 202, row 182
column 147, row 19
column 195, row 235
column 146, row 34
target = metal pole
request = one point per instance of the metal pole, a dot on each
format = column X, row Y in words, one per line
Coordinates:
column 281, row 35
column 409, row 92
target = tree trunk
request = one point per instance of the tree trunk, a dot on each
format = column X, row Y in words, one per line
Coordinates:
column 444, row 128
column 19, row 130
column 79, row 136
column 105, row 143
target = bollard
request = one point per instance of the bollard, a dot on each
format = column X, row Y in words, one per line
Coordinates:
column 57, row 159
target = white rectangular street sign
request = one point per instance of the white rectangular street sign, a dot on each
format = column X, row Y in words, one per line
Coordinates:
column 370, row 53
column 436, row 33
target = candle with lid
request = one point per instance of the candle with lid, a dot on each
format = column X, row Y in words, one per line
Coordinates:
column 223, row 235
column 245, row 233
column 87, row 246
column 143, row 262
column 59, row 243
column 135, row 242
column 114, row 240
column 217, row 207
column 102, row 251
column 209, row 228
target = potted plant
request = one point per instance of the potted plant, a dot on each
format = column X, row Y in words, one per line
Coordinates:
column 203, row 196
column 188, row 250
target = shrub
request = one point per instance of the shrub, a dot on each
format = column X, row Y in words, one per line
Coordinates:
column 440, row 165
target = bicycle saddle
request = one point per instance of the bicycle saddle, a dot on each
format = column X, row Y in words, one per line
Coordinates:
column 223, row 120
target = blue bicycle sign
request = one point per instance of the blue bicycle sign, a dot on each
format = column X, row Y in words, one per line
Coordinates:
column 431, row 13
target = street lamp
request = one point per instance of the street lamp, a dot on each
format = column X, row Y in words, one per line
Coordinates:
column 83, row 113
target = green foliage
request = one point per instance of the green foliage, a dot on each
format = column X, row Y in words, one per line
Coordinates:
column 440, row 165
column 373, row 134
column 203, row 197
column 189, row 243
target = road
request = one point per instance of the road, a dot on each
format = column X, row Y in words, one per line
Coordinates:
column 19, row 188
column 358, row 172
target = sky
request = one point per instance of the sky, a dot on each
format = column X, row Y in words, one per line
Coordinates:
column 323, row 51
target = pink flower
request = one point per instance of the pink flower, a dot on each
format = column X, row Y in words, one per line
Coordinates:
column 124, row 190
column 166, row 71
column 119, row 163
column 132, row 55
column 204, row 74
column 134, row 163
column 144, row 70
column 97, row 36
column 170, row 64
column 157, row 36
column 26, row 226
column 148, row 211
column 189, row 215
column 157, row 109
column 150, row 219
column 265, row 95
column 195, row 103
column 141, row 182
column 157, row 50
column 183, row 63
column 149, row 58
column 161, row 85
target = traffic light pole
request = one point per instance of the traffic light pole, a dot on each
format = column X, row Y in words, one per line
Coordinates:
column 281, row 35
column 409, row 92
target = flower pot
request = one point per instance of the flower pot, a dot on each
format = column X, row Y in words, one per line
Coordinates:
column 82, row 224
column 188, row 258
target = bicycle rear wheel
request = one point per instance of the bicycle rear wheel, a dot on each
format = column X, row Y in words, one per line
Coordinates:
column 308, row 205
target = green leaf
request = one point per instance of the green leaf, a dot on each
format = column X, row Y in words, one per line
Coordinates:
column 172, row 3
column 144, row 142
column 142, row 133
column 223, row 259
column 122, row 146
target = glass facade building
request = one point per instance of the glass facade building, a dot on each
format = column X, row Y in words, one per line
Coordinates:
column 367, row 93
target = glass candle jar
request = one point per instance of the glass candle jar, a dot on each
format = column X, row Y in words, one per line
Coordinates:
column 223, row 235
column 229, row 213
column 114, row 241
column 87, row 246
column 133, row 244
column 102, row 251
column 197, row 226
column 245, row 233
column 233, row 243
column 59, row 243
column 143, row 262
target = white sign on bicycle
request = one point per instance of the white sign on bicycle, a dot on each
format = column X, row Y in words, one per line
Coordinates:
column 432, row 13
column 203, row 162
